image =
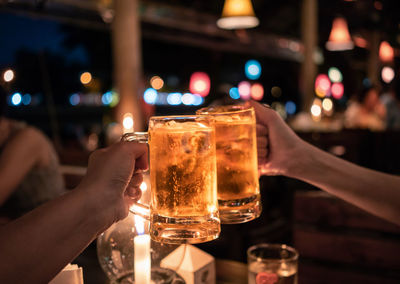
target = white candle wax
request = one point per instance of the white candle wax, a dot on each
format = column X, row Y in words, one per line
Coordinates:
column 142, row 259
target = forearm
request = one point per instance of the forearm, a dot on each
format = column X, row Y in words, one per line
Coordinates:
column 35, row 247
column 375, row 192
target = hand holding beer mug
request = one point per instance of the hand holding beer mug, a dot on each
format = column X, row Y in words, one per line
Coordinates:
column 183, row 206
column 237, row 170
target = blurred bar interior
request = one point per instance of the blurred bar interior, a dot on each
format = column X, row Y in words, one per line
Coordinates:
column 85, row 72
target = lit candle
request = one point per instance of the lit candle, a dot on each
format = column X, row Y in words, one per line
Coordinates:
column 142, row 259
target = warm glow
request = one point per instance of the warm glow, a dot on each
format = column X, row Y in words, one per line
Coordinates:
column 339, row 38
column 327, row 104
column 337, row 90
column 127, row 122
column 8, row 75
column 86, row 78
column 200, row 84
column 257, row 91
column 322, row 85
column 387, row 74
column 143, row 186
column 386, row 52
column 315, row 110
column 156, row 82
column 237, row 14
column 360, row 42
column 244, row 88
column 188, row 99
column 335, row 75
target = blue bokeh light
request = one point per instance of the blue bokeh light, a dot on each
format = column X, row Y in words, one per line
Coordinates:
column 16, row 99
column 290, row 107
column 107, row 98
column 26, row 99
column 252, row 69
column 74, row 99
column 174, row 99
column 234, row 93
column 150, row 96
column 198, row 100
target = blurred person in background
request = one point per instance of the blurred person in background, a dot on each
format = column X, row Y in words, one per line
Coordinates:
column 390, row 99
column 29, row 167
column 366, row 111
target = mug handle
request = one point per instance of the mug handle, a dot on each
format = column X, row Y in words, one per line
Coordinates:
column 138, row 209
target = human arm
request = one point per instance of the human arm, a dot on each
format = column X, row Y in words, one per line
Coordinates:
column 35, row 247
column 25, row 150
column 282, row 152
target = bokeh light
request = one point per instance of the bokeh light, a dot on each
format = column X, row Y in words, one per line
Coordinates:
column 290, row 107
column 200, row 84
column 198, row 100
column 106, row 98
column 128, row 122
column 276, row 91
column 257, row 91
column 16, row 99
column 386, row 52
column 234, row 93
column 335, row 75
column 8, row 75
column 322, row 85
column 150, row 96
column 252, row 69
column 327, row 105
column 26, row 99
column 387, row 74
column 115, row 99
column 280, row 109
column 86, row 78
column 244, row 88
column 337, row 90
column 188, row 99
column 156, row 82
column 74, row 99
column 174, row 99
column 316, row 110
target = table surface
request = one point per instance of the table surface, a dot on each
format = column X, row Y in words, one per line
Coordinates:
column 230, row 272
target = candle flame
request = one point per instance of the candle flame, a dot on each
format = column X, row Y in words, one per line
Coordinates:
column 139, row 225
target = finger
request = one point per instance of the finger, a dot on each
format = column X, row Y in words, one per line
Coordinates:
column 262, row 152
column 136, row 180
column 139, row 151
column 134, row 193
column 262, row 142
column 261, row 130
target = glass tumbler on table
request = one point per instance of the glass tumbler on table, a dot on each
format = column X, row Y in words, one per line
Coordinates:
column 272, row 264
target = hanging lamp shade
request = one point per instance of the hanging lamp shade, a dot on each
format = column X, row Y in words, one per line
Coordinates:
column 237, row 14
column 339, row 38
column 386, row 52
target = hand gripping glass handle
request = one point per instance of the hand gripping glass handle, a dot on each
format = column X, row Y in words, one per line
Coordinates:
column 139, row 209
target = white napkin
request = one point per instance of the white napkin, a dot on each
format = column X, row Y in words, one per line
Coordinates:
column 71, row 274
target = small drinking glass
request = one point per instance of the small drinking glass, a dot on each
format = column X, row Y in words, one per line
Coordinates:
column 238, row 187
column 183, row 205
column 272, row 264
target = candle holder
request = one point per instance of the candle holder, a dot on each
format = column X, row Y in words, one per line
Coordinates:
column 116, row 253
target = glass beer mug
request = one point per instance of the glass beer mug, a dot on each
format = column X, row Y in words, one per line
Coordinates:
column 183, row 204
column 237, row 170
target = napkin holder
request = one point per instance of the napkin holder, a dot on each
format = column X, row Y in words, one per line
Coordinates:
column 71, row 274
column 197, row 266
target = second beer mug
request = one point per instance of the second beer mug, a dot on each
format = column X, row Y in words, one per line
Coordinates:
column 183, row 206
column 236, row 143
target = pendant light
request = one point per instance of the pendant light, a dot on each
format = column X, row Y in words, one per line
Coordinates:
column 237, row 14
column 339, row 38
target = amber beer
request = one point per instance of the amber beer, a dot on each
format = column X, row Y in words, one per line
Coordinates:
column 184, row 205
column 238, row 187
